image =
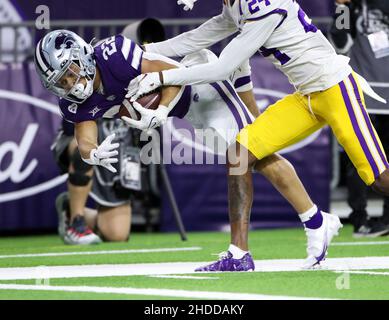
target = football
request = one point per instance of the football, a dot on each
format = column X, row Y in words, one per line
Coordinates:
column 148, row 101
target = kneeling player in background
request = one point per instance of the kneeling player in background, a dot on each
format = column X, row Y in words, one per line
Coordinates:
column 78, row 224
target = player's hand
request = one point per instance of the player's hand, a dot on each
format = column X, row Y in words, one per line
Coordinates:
column 150, row 119
column 142, row 85
column 105, row 154
column 188, row 4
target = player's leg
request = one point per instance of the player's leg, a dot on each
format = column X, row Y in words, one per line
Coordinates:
column 343, row 107
column 274, row 167
column 64, row 148
column 114, row 223
column 90, row 216
column 277, row 170
column 240, row 195
column 257, row 141
column 79, row 182
column 268, row 134
column 79, row 185
column 271, row 132
column 282, row 175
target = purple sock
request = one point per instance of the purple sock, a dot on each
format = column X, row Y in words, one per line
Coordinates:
column 315, row 222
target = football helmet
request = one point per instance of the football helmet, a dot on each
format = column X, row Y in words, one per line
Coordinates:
column 66, row 66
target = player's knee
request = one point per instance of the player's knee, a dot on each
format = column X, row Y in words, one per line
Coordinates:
column 81, row 172
column 116, row 236
column 278, row 174
column 276, row 168
column 381, row 184
column 239, row 156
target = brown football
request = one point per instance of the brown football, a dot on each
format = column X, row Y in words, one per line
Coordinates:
column 148, row 101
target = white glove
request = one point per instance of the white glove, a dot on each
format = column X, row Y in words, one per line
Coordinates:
column 105, row 154
column 150, row 119
column 188, row 4
column 143, row 84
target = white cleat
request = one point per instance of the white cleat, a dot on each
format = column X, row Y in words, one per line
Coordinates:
column 73, row 237
column 319, row 240
column 78, row 233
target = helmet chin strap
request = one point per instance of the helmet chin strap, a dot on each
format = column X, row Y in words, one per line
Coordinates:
column 83, row 92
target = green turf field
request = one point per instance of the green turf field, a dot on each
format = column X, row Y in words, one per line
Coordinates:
column 106, row 272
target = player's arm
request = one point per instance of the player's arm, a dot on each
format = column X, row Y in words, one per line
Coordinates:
column 240, row 49
column 241, row 79
column 86, row 136
column 209, row 33
column 153, row 118
column 104, row 154
column 248, row 99
column 156, row 65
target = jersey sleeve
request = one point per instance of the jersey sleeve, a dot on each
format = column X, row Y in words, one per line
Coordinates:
column 241, row 78
column 123, row 56
column 68, row 110
column 207, row 34
column 75, row 113
column 240, row 49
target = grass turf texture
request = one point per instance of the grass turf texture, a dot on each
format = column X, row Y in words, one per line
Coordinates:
column 269, row 244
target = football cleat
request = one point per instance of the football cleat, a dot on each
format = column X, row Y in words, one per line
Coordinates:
column 320, row 239
column 79, row 233
column 227, row 263
column 371, row 229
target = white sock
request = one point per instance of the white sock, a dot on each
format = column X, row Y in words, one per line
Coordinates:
column 307, row 215
column 237, row 253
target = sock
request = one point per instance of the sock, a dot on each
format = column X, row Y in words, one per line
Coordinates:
column 312, row 219
column 237, row 253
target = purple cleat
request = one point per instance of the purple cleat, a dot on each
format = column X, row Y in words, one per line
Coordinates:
column 227, row 263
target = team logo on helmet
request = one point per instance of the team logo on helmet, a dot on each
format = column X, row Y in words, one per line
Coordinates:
column 64, row 41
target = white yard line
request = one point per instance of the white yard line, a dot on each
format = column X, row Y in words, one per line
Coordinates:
column 178, row 268
column 182, row 277
column 155, row 292
column 81, row 253
column 360, row 243
column 331, row 264
column 364, row 272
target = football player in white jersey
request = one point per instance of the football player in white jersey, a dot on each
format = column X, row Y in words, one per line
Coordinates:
column 328, row 92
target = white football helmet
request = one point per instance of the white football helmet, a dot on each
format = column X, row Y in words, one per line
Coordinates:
column 62, row 53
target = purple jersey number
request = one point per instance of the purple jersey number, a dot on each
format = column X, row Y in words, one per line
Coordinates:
column 254, row 5
column 283, row 58
column 305, row 21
